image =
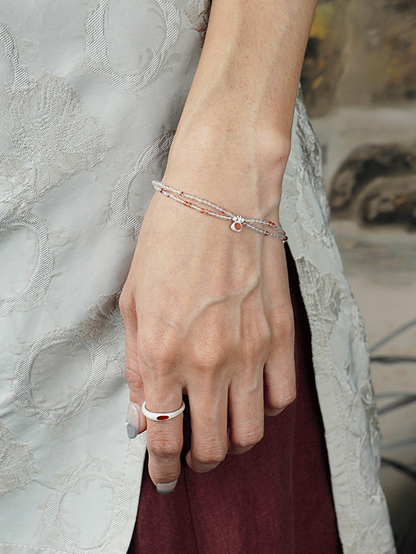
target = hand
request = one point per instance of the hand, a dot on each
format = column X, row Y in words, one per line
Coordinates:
column 207, row 313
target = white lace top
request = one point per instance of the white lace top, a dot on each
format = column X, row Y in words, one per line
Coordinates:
column 90, row 95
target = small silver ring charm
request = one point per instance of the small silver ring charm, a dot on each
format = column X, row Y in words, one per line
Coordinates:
column 237, row 224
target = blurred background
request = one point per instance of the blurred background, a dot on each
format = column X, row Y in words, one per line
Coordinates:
column 359, row 85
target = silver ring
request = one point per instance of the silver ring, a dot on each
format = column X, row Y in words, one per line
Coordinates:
column 161, row 416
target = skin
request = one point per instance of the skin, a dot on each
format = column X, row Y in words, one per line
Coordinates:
column 207, row 311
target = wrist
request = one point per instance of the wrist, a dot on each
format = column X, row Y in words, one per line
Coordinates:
column 238, row 166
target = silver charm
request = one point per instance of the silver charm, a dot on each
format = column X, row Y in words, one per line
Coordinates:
column 237, row 224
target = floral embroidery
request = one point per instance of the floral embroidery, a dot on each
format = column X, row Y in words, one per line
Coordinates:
column 362, row 539
column 50, row 138
column 58, row 399
column 306, row 205
column 20, row 76
column 368, row 458
column 323, row 296
column 369, row 445
column 17, row 466
column 359, row 420
column 157, row 60
column 357, row 323
column 61, row 370
column 149, row 164
column 47, row 135
column 197, row 12
column 40, row 276
column 104, row 325
column 311, row 155
column 310, row 192
column 65, row 521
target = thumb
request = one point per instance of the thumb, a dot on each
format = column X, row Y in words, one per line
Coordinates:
column 135, row 420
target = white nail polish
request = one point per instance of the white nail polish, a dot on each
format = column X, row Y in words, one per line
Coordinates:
column 132, row 420
column 166, row 488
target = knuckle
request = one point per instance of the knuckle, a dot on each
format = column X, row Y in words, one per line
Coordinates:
column 284, row 399
column 284, row 324
column 249, row 440
column 165, row 446
column 209, row 355
column 211, row 456
column 253, row 347
column 131, row 372
column 126, row 304
column 133, row 375
column 158, row 345
column 257, row 339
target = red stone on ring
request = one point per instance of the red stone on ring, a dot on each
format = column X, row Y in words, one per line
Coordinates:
column 162, row 417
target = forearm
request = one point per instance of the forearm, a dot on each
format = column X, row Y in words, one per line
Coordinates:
column 236, row 123
column 251, row 62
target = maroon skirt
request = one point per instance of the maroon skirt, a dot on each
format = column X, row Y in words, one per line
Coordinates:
column 274, row 499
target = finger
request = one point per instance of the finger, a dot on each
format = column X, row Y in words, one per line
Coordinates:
column 246, row 409
column 246, row 394
column 135, row 420
column 279, row 370
column 209, row 443
column 164, row 438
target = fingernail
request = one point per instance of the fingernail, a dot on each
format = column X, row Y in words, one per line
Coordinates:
column 166, row 488
column 132, row 420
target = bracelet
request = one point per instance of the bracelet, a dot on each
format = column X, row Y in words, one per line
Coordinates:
column 237, row 220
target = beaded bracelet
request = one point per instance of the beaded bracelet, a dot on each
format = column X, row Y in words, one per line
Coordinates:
column 237, row 220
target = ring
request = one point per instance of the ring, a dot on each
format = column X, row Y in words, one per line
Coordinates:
column 161, row 416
